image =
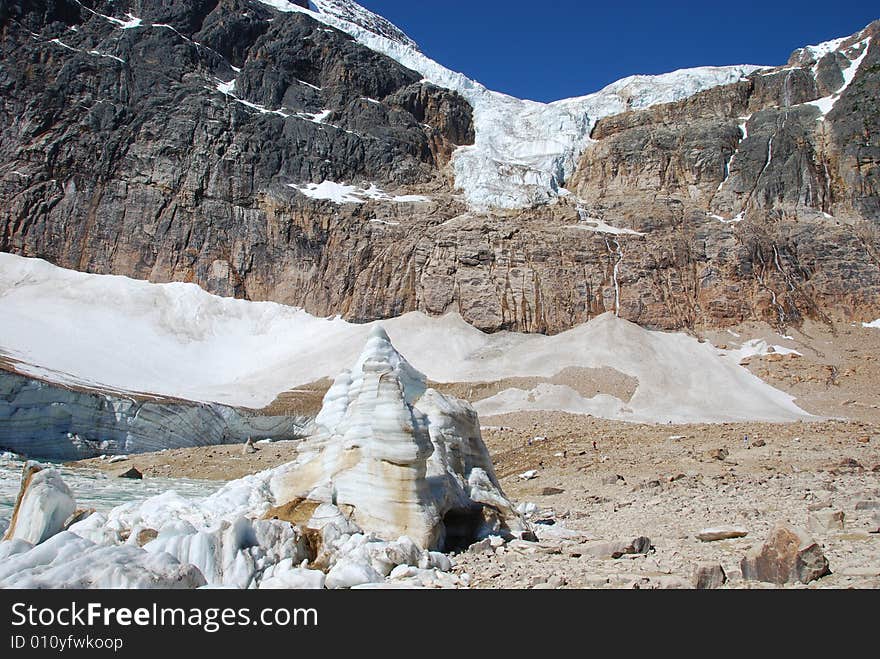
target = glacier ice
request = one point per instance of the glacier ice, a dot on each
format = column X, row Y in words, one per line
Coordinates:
column 395, row 471
column 179, row 341
column 43, row 505
column 404, row 459
column 524, row 150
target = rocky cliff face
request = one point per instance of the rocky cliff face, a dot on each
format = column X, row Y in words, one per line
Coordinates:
column 176, row 141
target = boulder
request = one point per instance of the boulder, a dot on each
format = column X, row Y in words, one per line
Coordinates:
column 718, row 454
column 617, row 549
column 43, row 505
column 552, row 491
column 708, row 576
column 132, row 474
column 721, row 533
column 788, row 555
column 822, row 521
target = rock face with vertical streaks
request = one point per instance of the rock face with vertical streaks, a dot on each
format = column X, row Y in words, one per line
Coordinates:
column 178, row 141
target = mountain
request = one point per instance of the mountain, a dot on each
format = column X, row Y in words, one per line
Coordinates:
column 317, row 158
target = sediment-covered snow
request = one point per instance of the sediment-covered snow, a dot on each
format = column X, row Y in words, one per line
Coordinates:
column 177, row 340
column 524, row 150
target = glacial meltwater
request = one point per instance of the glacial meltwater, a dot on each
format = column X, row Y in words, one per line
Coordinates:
column 94, row 489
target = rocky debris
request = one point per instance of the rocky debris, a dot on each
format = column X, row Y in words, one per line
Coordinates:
column 551, row 491
column 43, row 505
column 850, row 464
column 718, row 454
column 868, row 505
column 708, row 576
column 618, row 549
column 716, row 533
column 823, row 521
column 759, row 443
column 612, row 479
column 875, row 523
column 405, row 459
column 788, row 555
column 670, row 582
column 249, row 448
column 132, row 474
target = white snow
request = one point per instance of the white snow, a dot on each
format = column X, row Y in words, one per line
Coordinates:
column 599, row 226
column 69, row 561
column 819, row 51
column 744, row 129
column 873, row 324
column 759, row 348
column 826, row 104
column 524, row 150
column 177, row 340
column 341, row 193
column 739, row 217
column 131, row 23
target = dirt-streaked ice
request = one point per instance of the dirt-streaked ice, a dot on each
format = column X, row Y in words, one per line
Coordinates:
column 177, row 340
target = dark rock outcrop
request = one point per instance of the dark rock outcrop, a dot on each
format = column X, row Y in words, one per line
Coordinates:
column 129, row 151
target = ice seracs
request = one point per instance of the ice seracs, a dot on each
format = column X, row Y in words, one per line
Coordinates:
column 524, row 150
column 403, row 459
column 43, row 505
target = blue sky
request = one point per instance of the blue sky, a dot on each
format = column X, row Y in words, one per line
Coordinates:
column 554, row 49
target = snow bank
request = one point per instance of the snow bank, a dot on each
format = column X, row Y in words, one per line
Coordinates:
column 397, row 470
column 524, row 150
column 826, row 104
column 177, row 340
